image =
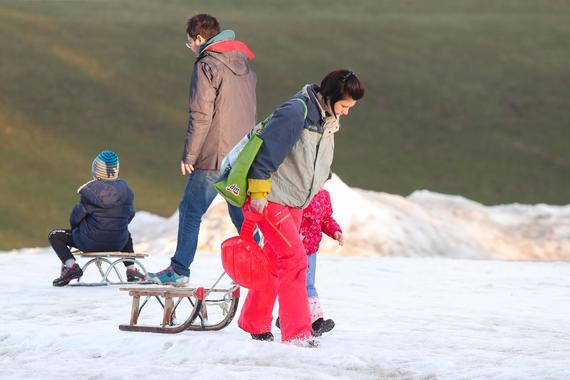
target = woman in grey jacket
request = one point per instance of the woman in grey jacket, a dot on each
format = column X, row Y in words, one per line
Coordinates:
column 290, row 168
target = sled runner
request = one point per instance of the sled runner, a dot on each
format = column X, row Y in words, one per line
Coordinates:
column 109, row 270
column 205, row 309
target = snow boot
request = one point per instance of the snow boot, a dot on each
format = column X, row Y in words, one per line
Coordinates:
column 68, row 274
column 268, row 336
column 323, row 325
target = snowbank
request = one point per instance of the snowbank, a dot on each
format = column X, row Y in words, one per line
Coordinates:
column 422, row 224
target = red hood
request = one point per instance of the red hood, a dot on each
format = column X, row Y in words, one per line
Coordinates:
column 230, row 45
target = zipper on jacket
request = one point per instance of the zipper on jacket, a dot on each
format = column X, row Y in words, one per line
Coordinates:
column 314, row 169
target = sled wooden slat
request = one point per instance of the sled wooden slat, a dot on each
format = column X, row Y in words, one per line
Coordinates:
column 169, row 298
column 135, row 310
column 168, row 309
column 164, row 291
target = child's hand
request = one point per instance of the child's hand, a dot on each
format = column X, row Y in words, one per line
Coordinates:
column 338, row 237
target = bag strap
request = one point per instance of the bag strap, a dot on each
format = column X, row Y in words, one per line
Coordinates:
column 266, row 120
column 304, row 105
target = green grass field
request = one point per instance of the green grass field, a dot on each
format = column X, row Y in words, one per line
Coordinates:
column 464, row 97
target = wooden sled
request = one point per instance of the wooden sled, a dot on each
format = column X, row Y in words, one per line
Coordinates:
column 107, row 263
column 201, row 306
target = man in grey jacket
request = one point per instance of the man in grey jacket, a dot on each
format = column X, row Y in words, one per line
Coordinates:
column 222, row 109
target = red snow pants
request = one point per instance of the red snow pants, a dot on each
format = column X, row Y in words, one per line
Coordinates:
column 289, row 278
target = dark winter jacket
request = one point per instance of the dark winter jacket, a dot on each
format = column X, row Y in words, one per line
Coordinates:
column 295, row 158
column 222, row 105
column 100, row 220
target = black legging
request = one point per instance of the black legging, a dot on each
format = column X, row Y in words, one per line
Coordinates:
column 61, row 240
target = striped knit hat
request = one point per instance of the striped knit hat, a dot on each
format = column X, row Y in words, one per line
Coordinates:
column 106, row 166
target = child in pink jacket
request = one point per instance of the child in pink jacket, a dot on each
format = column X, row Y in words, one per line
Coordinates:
column 317, row 218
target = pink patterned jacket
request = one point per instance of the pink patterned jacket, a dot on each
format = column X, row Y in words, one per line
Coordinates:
column 317, row 218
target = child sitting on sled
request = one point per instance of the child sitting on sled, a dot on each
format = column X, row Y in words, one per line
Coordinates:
column 99, row 222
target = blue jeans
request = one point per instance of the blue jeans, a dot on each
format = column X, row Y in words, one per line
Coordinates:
column 311, row 269
column 198, row 196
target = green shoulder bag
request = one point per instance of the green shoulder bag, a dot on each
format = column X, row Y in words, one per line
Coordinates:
column 232, row 185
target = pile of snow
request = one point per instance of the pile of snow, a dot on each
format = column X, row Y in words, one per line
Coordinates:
column 422, row 224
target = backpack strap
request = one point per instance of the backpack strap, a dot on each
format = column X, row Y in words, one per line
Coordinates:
column 304, row 105
column 261, row 125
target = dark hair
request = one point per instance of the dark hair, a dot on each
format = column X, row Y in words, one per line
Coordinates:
column 341, row 84
column 202, row 24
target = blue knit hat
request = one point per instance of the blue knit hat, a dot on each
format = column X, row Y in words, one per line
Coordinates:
column 106, row 166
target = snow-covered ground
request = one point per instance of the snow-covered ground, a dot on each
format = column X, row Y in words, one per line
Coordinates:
column 431, row 314
column 397, row 318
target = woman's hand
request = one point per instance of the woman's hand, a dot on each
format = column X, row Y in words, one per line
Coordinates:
column 259, row 204
column 338, row 237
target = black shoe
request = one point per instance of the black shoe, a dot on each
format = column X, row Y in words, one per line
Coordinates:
column 321, row 325
column 277, row 324
column 68, row 274
column 133, row 275
column 268, row 336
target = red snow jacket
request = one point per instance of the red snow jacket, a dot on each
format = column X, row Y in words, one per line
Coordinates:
column 317, row 218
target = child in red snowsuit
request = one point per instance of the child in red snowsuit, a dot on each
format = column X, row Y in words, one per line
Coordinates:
column 317, row 218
